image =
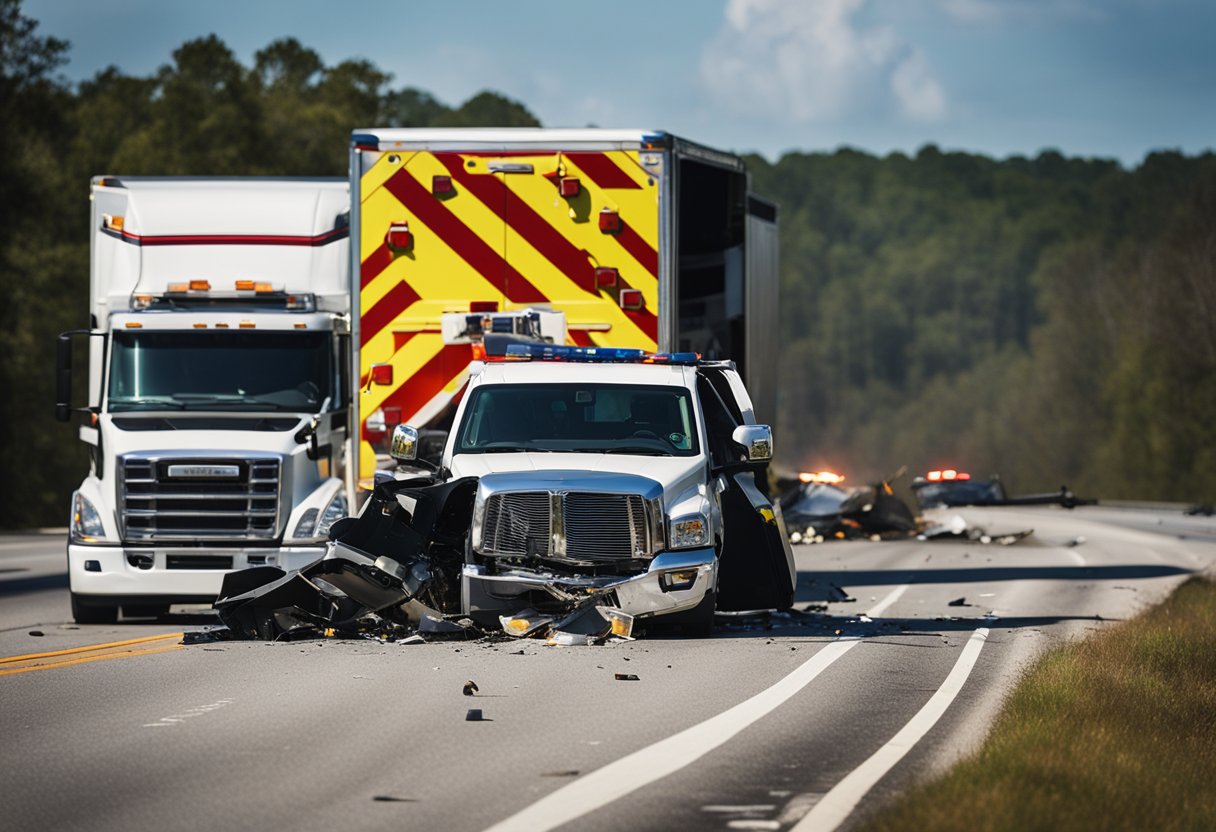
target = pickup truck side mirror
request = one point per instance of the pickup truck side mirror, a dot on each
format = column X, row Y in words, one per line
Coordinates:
column 403, row 447
column 756, row 441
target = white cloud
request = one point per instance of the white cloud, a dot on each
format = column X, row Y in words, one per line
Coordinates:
column 802, row 62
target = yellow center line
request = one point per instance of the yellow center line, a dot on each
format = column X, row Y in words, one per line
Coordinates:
column 49, row 665
column 80, row 655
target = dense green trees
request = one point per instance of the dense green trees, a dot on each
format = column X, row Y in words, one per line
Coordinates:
column 1052, row 319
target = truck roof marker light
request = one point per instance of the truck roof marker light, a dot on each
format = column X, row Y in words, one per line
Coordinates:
column 262, row 288
column 483, row 306
column 382, row 374
column 300, row 326
column 610, row 221
column 247, row 325
column 174, row 288
column 244, row 285
column 398, row 237
column 200, row 325
column 632, row 299
column 606, row 277
column 303, row 302
column 141, row 301
column 221, row 326
column 200, row 286
column 569, row 186
column 113, row 221
column 442, row 185
column 133, row 325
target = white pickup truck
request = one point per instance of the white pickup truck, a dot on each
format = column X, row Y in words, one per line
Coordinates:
column 611, row 471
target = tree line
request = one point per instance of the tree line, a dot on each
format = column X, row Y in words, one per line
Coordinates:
column 1052, row 319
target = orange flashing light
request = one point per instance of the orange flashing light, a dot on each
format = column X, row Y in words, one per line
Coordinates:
column 247, row 325
column 300, row 326
column 262, row 288
column 178, row 287
column 244, row 285
column 134, row 325
column 479, row 351
column 200, row 286
column 200, row 326
column 221, row 326
column 822, row 477
column 114, row 221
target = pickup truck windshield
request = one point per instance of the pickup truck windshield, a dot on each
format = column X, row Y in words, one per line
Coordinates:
column 589, row 418
column 220, row 371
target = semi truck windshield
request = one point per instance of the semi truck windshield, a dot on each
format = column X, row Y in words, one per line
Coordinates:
column 220, row 371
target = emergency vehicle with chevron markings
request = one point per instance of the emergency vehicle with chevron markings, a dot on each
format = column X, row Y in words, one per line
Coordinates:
column 638, row 238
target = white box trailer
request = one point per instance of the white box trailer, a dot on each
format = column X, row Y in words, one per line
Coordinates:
column 219, row 409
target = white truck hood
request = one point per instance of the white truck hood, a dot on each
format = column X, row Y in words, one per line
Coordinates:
column 681, row 477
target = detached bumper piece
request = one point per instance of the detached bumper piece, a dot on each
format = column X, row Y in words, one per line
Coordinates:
column 420, row 522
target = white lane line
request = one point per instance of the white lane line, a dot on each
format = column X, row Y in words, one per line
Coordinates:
column 654, row 762
column 838, row 803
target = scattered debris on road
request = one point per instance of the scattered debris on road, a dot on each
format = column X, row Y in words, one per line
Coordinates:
column 470, row 688
column 956, row 527
column 626, row 677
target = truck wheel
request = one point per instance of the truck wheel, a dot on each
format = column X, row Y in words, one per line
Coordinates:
column 144, row 610
column 84, row 613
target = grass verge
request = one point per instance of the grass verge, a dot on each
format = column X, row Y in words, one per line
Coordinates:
column 1114, row 732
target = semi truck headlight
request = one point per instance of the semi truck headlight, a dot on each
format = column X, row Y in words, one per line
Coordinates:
column 689, row 531
column 311, row 526
column 86, row 522
column 334, row 512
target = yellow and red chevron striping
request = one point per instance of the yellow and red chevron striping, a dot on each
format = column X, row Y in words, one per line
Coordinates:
column 462, row 240
column 394, row 302
column 604, row 172
column 429, row 380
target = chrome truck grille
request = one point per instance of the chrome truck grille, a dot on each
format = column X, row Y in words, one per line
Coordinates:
column 199, row 499
column 576, row 526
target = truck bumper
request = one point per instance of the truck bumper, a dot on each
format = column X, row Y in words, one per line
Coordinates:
column 655, row 592
column 116, row 574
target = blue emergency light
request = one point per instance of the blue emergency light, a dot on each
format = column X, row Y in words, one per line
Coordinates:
column 559, row 352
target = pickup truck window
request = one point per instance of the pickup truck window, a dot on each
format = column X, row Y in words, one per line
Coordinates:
column 591, row 418
column 220, row 371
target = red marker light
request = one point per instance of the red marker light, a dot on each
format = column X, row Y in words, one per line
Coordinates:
column 483, row 306
column 568, row 186
column 442, row 185
column 610, row 221
column 632, row 299
column 399, row 237
column 606, row 277
column 382, row 374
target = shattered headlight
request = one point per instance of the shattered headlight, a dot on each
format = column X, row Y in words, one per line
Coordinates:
column 86, row 522
column 334, row 512
column 688, row 532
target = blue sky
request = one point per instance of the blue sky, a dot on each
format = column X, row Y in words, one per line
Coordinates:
column 1114, row 78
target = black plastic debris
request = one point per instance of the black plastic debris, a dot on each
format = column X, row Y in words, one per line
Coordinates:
column 388, row 798
column 959, row 602
column 470, row 688
column 37, row 633
column 626, row 677
column 475, row 715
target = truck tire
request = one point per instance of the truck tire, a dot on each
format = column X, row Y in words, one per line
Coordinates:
column 83, row 613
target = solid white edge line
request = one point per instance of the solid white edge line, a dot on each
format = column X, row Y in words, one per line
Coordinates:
column 667, row 756
column 840, row 801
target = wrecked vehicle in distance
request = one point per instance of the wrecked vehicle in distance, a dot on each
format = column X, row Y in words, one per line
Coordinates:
column 821, row 508
column 950, row 488
column 575, row 479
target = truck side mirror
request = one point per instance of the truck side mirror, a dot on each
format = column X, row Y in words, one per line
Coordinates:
column 63, row 371
column 756, row 441
column 403, row 447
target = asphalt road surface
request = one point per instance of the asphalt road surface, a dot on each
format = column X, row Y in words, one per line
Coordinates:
column 806, row 720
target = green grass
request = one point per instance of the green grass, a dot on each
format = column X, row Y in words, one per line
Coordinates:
column 1114, row 732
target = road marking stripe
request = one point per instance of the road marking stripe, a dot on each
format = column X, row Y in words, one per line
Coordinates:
column 668, row 756
column 50, row 665
column 839, row 803
column 106, row 646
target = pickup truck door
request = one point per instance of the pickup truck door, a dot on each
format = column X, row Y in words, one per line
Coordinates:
column 756, row 565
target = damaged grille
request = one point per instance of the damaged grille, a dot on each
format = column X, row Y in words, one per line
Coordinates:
column 189, row 499
column 573, row 525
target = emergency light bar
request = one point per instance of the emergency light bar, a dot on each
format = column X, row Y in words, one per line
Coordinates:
column 947, row 475
column 619, row 355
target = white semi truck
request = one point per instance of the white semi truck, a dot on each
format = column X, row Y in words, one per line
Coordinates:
column 219, row 410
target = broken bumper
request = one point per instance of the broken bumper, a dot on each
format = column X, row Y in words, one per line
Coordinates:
column 674, row 582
